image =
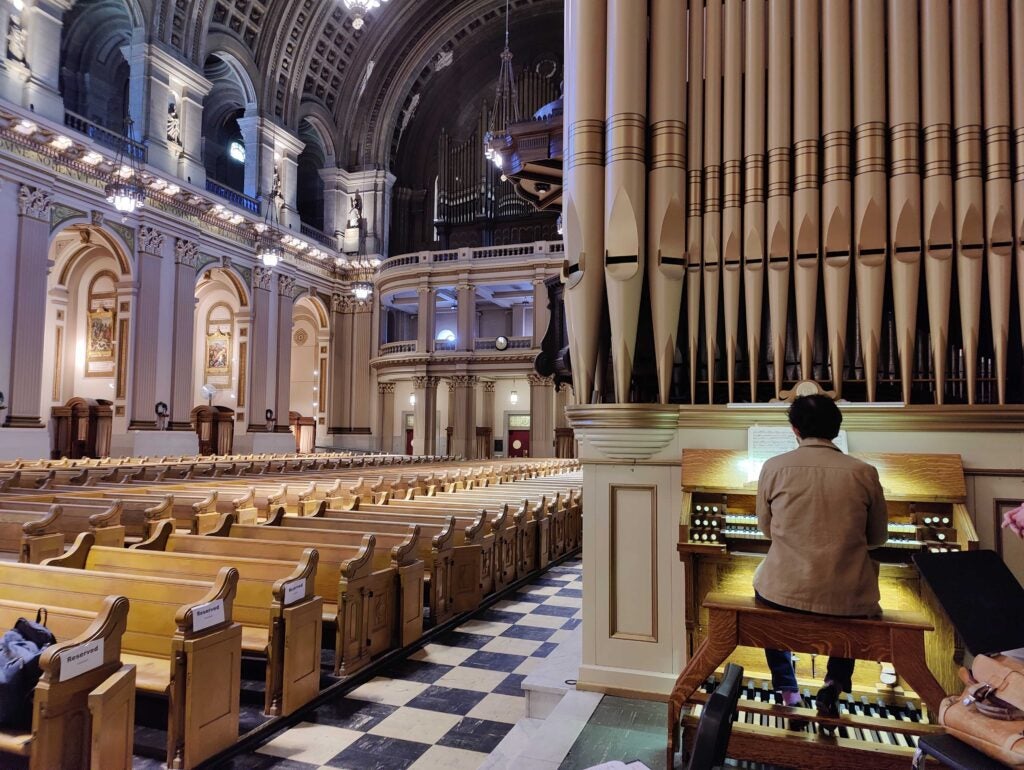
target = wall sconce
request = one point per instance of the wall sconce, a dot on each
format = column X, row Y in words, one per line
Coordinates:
column 412, row 399
column 271, row 421
column 513, row 397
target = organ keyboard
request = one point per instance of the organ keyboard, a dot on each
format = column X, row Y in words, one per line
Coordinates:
column 721, row 546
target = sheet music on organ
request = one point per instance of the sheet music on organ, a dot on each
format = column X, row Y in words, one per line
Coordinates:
column 764, row 442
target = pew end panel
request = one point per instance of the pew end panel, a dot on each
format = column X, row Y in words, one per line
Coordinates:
column 410, row 576
column 293, row 660
column 112, row 709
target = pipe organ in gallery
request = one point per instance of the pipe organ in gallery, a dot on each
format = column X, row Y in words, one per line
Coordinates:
column 807, row 189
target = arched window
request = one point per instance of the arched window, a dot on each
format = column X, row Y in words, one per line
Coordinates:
column 446, row 335
column 224, row 150
column 309, row 193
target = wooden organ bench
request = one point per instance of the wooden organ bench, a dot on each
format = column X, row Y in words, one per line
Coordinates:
column 735, row 621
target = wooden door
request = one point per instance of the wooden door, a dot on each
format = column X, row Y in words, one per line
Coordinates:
column 408, row 441
column 519, row 443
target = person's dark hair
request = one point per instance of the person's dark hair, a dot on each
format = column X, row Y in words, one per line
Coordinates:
column 815, row 416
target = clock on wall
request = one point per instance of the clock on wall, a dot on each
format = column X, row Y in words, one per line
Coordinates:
column 501, row 343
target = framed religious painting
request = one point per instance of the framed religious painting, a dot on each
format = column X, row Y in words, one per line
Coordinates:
column 100, row 343
column 218, row 354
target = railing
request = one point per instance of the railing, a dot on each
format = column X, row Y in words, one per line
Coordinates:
column 444, row 344
column 538, row 250
column 233, row 196
column 319, row 236
column 112, row 140
column 390, row 348
column 514, row 343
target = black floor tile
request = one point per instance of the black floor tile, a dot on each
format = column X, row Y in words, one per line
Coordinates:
column 571, row 593
column 447, row 700
column 462, row 639
column 499, row 616
column 511, row 685
column 544, row 650
column 527, row 597
column 475, row 735
column 418, row 671
column 256, row 761
column 554, row 609
column 533, row 633
column 375, row 752
column 495, row 661
column 352, row 714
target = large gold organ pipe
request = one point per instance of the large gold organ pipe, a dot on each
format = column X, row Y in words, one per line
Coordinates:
column 998, row 191
column 779, row 185
column 753, row 186
column 805, row 180
column 904, row 182
column 869, row 193
column 694, row 192
column 1017, row 33
column 712, row 181
column 625, row 186
column 836, row 191
column 666, row 182
column 968, row 222
column 583, row 199
column 732, row 184
column 938, row 181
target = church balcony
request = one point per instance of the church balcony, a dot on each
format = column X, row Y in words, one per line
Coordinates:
column 395, row 348
column 104, row 137
column 241, row 200
column 319, row 236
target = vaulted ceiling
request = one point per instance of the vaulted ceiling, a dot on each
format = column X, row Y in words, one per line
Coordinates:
column 309, row 62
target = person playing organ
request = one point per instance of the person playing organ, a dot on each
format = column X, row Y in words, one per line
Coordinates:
column 824, row 511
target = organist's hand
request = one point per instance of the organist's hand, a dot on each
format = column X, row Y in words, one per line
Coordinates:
column 1014, row 520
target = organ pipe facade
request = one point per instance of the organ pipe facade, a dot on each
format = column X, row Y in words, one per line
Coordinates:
column 858, row 167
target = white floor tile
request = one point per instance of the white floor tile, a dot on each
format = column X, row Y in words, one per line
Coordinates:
column 542, row 590
column 446, row 758
column 499, row 708
column 485, row 627
column 542, row 621
column 560, row 636
column 511, row 646
column 443, row 654
column 564, row 601
column 509, row 606
column 312, row 743
column 528, row 666
column 393, row 692
column 420, row 725
column 467, row 678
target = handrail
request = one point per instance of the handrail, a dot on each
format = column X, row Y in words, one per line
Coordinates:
column 241, row 200
column 104, row 136
column 519, row 251
column 404, row 346
column 319, row 236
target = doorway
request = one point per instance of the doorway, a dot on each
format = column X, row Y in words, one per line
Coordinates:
column 518, row 443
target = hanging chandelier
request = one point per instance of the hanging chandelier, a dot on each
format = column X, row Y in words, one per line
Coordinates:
column 268, row 234
column 124, row 189
column 362, row 290
column 360, row 8
column 506, row 104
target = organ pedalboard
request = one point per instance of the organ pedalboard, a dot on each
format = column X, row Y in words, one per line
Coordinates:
column 718, row 522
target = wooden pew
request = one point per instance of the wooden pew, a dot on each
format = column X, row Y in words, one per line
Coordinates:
column 275, row 603
column 436, row 552
column 82, row 711
column 373, row 597
column 196, row 668
column 138, row 517
column 41, row 532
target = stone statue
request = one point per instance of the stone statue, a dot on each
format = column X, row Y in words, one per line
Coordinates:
column 173, row 124
column 16, row 39
column 355, row 214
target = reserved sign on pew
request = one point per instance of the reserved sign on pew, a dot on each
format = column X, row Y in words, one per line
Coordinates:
column 207, row 615
column 294, row 590
column 81, row 659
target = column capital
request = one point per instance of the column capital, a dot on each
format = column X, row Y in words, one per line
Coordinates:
column 423, row 383
column 34, row 202
column 151, row 240
column 386, row 388
column 464, row 381
column 186, row 253
column 564, row 387
column 261, row 278
column 488, row 386
column 337, row 303
column 537, row 380
column 285, row 286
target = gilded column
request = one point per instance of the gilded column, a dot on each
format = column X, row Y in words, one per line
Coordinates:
column 259, row 353
column 386, row 416
column 26, row 373
column 938, row 180
column 625, row 182
column 283, row 357
column 147, row 326
column 905, row 181
column 542, row 416
column 585, row 47
column 424, row 436
column 186, row 261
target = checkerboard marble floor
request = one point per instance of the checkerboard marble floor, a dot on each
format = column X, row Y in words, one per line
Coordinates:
column 448, row 704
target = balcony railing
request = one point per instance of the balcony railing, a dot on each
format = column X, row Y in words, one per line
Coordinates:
column 319, row 236
column 539, row 250
column 514, row 343
column 390, row 348
column 444, row 344
column 241, row 200
column 112, row 140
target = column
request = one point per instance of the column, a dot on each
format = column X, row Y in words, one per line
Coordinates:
column 541, row 311
column 425, row 320
column 26, row 373
column 190, row 111
column 464, row 422
column 542, row 416
column 283, row 357
column 43, row 23
column 361, row 320
column 519, row 319
column 424, row 438
column 335, row 202
column 145, row 351
column 259, row 344
column 337, row 417
column 487, row 414
column 272, row 149
column 466, row 308
column 186, row 261
column 450, row 422
column 565, row 444
column 385, row 416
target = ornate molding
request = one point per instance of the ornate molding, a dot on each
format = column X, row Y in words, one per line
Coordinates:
column 337, row 303
column 625, row 431
column 464, row 380
column 186, row 253
column 386, row 388
column 261, row 278
column 34, row 202
column 422, row 383
column 488, row 386
column 151, row 240
column 564, row 387
column 537, row 380
column 286, row 286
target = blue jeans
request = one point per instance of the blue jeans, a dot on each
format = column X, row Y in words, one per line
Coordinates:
column 839, row 671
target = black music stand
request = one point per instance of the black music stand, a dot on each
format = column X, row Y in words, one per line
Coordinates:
column 981, row 597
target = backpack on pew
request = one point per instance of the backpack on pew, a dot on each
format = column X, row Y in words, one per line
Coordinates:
column 990, row 713
column 20, row 649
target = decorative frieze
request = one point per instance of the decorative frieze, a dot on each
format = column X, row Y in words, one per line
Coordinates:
column 34, row 202
column 151, row 240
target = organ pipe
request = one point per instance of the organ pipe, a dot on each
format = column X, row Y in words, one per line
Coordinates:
column 666, row 213
column 812, row 141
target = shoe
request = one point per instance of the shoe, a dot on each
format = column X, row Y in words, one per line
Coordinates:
column 827, row 702
column 794, row 724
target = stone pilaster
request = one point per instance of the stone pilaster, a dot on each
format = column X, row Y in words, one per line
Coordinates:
column 542, row 416
column 464, row 420
column 145, row 354
column 43, row 21
column 425, row 319
column 28, row 332
column 466, row 309
column 359, row 365
column 340, row 390
column 424, row 437
column 186, row 261
column 541, row 312
column 283, row 357
column 275, row 150
column 385, row 416
column 374, row 188
column 259, row 353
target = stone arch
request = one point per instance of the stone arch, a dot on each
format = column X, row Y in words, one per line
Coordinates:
column 232, row 99
column 220, row 342
column 317, row 154
column 310, row 361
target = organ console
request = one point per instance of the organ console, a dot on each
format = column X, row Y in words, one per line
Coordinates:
column 720, row 546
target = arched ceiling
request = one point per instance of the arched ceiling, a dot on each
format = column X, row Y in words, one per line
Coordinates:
column 308, row 60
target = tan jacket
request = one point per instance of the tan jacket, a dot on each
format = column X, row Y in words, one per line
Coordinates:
column 823, row 511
